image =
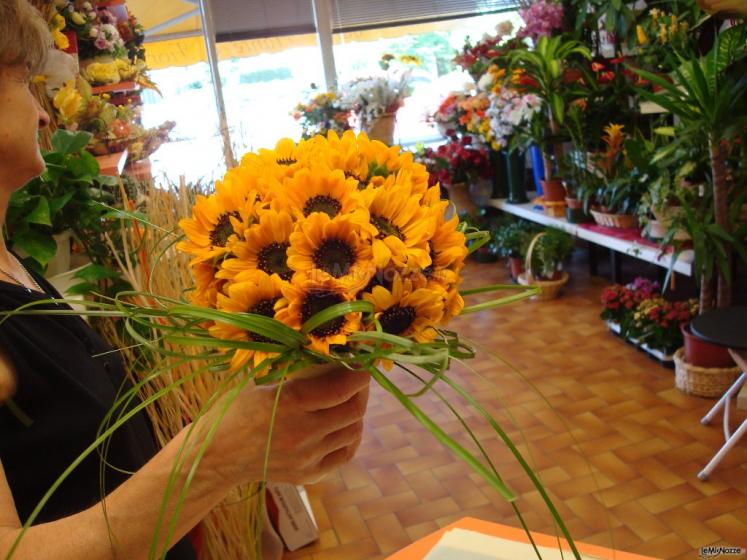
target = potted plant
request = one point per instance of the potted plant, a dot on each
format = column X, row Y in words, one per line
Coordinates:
column 657, row 324
column 621, row 301
column 458, row 165
column 708, row 95
column 550, row 68
column 62, row 201
column 544, row 259
column 323, row 112
column 513, row 241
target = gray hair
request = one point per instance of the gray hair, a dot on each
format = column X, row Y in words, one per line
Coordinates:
column 24, row 36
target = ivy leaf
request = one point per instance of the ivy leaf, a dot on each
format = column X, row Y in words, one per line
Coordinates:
column 58, row 203
column 40, row 214
column 67, row 142
column 36, row 245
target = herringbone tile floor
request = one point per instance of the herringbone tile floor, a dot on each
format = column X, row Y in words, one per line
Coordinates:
column 616, row 445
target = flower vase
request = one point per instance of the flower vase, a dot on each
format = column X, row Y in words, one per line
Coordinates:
column 382, row 129
column 460, row 198
column 538, row 168
column 515, row 164
column 500, row 174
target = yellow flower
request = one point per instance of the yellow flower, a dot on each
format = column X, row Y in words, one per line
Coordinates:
column 663, row 32
column 305, row 297
column 345, row 154
column 448, row 247
column 674, row 25
column 410, row 59
column 409, row 309
column 403, row 226
column 641, row 35
column 259, row 294
column 217, row 221
column 68, row 102
column 264, row 247
column 103, row 73
column 78, row 18
column 655, row 13
column 282, row 161
column 57, row 23
column 60, row 39
column 327, row 247
column 207, row 285
column 320, row 191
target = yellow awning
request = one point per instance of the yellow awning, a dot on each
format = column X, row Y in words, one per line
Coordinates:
column 172, row 16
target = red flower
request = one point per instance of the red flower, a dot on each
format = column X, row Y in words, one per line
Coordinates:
column 597, row 67
column 618, row 60
column 606, row 76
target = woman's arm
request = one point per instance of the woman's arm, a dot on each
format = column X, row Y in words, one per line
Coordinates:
column 318, row 427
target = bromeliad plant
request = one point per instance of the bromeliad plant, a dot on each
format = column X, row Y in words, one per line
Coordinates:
column 330, row 250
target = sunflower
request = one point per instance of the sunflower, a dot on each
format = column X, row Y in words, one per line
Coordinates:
column 207, row 284
column 383, row 161
column 322, row 191
column 403, row 226
column 283, row 160
column 258, row 295
column 448, row 247
column 305, row 297
column 216, row 220
column 264, row 247
column 332, row 247
column 344, row 153
column 409, row 309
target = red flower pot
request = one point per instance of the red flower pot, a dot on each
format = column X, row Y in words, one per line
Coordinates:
column 700, row 353
column 574, row 203
column 553, row 190
column 517, row 266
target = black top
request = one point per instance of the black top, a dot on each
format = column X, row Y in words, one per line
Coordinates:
column 66, row 388
column 723, row 327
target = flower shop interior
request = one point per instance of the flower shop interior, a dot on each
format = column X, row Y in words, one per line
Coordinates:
column 594, row 157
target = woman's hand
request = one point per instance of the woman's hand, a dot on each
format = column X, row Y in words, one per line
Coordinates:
column 318, row 426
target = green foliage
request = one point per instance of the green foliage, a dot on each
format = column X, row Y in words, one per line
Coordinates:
column 554, row 247
column 68, row 195
column 513, row 239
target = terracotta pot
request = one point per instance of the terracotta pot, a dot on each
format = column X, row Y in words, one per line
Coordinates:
column 574, row 203
column 516, row 265
column 553, row 190
column 704, row 354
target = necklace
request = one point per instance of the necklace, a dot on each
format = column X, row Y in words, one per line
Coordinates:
column 14, row 277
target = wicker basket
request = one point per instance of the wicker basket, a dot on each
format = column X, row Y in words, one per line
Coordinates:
column 699, row 381
column 554, row 209
column 549, row 289
column 621, row 221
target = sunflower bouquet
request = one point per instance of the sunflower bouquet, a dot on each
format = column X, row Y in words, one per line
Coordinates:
column 330, row 250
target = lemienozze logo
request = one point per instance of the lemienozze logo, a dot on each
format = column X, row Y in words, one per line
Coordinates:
column 715, row 551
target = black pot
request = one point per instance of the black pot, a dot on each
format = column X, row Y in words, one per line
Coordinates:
column 515, row 169
column 499, row 177
column 577, row 216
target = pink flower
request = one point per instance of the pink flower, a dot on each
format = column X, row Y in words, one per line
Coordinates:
column 101, row 44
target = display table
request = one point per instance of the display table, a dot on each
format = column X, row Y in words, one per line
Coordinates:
column 617, row 241
column 421, row 548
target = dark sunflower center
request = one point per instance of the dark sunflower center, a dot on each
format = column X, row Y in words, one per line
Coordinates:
column 272, row 259
column 222, row 230
column 319, row 301
column 265, row 307
column 335, row 257
column 386, row 228
column 361, row 183
column 397, row 319
column 286, row 161
column 326, row 204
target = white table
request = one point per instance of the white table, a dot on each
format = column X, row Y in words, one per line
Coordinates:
column 683, row 264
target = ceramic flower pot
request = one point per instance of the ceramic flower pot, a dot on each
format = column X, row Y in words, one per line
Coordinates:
column 382, row 129
column 516, row 265
column 700, row 353
column 553, row 190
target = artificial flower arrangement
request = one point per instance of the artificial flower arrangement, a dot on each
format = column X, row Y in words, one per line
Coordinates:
column 373, row 97
column 446, row 116
column 96, row 29
column 459, row 160
column 477, row 58
column 542, row 18
column 325, row 111
column 509, row 111
column 336, row 250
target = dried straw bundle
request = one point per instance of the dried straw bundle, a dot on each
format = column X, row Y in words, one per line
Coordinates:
column 232, row 530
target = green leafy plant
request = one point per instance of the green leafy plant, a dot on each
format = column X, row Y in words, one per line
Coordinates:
column 554, row 76
column 550, row 251
column 709, row 97
column 513, row 239
column 67, row 196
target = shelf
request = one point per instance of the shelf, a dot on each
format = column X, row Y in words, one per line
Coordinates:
column 121, row 87
column 636, row 249
column 112, row 164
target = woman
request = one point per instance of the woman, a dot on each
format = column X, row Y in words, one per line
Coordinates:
column 65, row 385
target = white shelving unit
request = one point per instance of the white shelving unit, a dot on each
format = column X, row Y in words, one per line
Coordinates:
column 683, row 265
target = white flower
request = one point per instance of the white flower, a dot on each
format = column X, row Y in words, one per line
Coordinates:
column 485, row 82
column 504, row 28
column 94, row 32
column 87, row 6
